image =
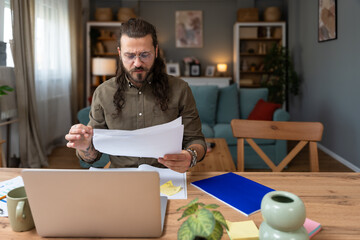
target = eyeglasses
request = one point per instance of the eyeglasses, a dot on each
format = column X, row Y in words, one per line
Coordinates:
column 143, row 57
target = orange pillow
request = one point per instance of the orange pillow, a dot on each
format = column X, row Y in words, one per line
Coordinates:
column 263, row 110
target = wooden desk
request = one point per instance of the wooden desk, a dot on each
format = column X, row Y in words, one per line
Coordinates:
column 333, row 199
column 218, row 160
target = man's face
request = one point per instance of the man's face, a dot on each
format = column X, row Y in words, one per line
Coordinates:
column 138, row 56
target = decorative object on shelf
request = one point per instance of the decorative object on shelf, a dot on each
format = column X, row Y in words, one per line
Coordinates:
column 253, row 67
column 195, row 69
column 173, row 69
column 202, row 221
column 327, row 20
column 188, row 29
column 244, row 66
column 210, row 71
column 248, row 15
column 249, row 32
column 100, row 49
column 187, row 61
column 284, row 216
column 103, row 67
column 272, row 14
column 261, row 48
column 103, row 14
column 282, row 78
column 268, row 32
column 124, row 14
column 222, row 69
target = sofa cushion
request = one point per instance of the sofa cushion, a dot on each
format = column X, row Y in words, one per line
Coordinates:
column 207, row 130
column 263, row 110
column 223, row 130
column 206, row 100
column 248, row 99
column 228, row 105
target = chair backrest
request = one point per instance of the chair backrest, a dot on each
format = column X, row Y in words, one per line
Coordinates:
column 83, row 115
column 305, row 132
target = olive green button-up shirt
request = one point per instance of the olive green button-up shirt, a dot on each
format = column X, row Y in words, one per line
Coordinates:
column 141, row 110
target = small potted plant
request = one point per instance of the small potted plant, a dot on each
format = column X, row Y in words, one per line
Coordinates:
column 202, row 221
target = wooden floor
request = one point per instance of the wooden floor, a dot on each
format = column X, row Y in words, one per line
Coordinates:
column 65, row 158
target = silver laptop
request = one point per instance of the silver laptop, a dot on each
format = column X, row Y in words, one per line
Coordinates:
column 82, row 203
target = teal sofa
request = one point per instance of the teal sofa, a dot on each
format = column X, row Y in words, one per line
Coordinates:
column 218, row 106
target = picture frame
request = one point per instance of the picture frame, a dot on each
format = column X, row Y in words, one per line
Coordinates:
column 327, row 21
column 210, row 71
column 195, row 70
column 188, row 29
column 173, row 69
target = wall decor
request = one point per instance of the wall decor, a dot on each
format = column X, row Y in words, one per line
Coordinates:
column 173, row 69
column 188, row 29
column 327, row 20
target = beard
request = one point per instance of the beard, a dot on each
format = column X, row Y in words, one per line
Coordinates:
column 134, row 76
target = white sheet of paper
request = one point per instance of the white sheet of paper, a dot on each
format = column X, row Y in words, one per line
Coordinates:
column 178, row 179
column 5, row 187
column 155, row 141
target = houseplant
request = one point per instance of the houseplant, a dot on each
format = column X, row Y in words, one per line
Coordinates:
column 202, row 222
column 4, row 89
column 281, row 78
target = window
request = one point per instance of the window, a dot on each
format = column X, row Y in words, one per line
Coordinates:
column 6, row 29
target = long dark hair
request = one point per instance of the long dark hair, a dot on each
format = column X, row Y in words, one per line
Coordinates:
column 138, row 28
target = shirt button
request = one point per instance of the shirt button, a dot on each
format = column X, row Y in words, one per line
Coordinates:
column 140, row 93
column 140, row 114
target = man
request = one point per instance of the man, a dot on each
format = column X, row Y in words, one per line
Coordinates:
column 141, row 95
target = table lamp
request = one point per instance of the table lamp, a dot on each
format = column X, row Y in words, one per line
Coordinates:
column 222, row 68
column 103, row 67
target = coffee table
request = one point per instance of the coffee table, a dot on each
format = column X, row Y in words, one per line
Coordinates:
column 218, row 160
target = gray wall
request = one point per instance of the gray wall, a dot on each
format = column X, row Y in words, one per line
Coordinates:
column 331, row 76
column 219, row 17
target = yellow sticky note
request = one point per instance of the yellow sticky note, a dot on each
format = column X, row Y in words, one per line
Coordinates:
column 244, row 230
column 169, row 189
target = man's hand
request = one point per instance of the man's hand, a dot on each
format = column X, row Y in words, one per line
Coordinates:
column 79, row 137
column 178, row 162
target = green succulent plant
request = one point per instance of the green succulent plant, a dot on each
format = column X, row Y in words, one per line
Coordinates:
column 202, row 221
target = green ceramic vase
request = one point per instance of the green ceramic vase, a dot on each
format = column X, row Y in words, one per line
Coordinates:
column 284, row 216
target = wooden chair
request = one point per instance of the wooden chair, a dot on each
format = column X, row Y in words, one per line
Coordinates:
column 304, row 132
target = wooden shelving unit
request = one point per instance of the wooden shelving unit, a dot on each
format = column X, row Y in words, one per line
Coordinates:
column 252, row 40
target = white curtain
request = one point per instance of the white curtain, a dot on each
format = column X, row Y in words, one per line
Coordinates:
column 52, row 70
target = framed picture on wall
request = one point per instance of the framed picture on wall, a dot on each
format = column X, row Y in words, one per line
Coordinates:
column 173, row 69
column 195, row 70
column 327, row 20
column 188, row 29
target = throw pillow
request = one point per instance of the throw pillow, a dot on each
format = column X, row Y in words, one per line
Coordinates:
column 263, row 110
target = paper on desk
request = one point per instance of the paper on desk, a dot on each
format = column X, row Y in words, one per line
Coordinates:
column 5, row 187
column 166, row 175
column 155, row 141
column 169, row 189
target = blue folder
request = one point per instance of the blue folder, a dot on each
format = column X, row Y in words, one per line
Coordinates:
column 236, row 191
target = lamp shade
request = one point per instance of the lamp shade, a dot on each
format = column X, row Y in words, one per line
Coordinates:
column 222, row 67
column 103, row 66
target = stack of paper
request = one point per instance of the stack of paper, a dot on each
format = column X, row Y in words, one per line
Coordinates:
column 155, row 141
